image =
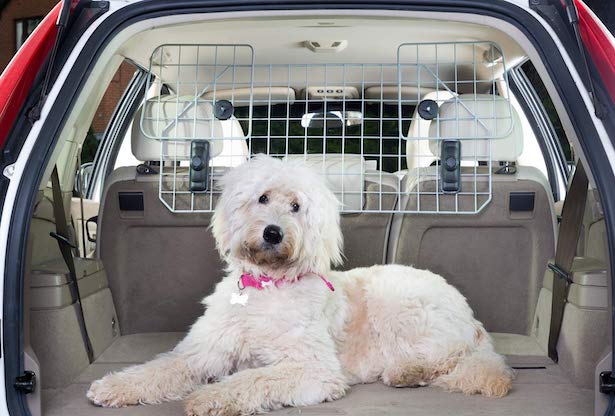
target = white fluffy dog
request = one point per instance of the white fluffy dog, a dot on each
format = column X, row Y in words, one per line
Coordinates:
column 283, row 329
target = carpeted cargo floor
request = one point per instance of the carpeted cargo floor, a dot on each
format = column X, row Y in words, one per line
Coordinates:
column 540, row 388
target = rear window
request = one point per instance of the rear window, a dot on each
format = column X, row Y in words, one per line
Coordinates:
column 277, row 130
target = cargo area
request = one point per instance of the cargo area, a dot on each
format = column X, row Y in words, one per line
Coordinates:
column 144, row 254
column 541, row 388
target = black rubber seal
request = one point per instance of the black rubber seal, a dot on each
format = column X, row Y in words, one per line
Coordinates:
column 539, row 136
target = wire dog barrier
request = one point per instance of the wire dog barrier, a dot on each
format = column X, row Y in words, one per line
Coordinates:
column 413, row 136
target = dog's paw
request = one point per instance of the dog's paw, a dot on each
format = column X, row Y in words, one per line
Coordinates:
column 497, row 386
column 211, row 401
column 335, row 392
column 409, row 375
column 112, row 391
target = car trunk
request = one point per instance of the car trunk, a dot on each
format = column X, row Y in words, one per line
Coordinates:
column 155, row 257
column 124, row 335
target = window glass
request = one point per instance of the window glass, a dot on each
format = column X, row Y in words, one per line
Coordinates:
column 105, row 110
column 270, row 125
column 124, row 154
column 532, row 154
column 103, row 115
column 125, row 157
column 532, row 75
column 24, row 28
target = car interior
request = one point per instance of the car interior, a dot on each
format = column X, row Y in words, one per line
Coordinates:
column 143, row 253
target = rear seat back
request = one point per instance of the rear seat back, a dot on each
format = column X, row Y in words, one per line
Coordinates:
column 359, row 189
column 497, row 257
column 366, row 234
column 158, row 261
column 164, row 263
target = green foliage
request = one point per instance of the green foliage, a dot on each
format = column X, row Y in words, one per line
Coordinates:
column 547, row 103
column 90, row 146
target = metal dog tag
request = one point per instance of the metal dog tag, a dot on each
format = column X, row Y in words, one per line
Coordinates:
column 239, row 299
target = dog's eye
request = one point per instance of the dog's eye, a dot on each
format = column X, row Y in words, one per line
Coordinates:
column 295, row 207
column 263, row 199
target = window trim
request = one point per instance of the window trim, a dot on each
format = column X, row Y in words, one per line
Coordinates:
column 543, row 129
column 116, row 129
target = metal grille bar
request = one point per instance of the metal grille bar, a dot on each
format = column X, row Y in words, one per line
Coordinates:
column 365, row 126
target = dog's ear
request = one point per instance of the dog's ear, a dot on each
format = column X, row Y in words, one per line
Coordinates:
column 220, row 226
column 220, row 229
column 333, row 238
column 328, row 244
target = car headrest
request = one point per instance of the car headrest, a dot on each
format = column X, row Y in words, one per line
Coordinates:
column 344, row 174
column 170, row 117
column 488, row 118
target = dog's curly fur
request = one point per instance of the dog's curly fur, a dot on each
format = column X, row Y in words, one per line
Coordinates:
column 299, row 343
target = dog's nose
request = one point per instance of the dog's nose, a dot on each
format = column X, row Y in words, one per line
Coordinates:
column 273, row 234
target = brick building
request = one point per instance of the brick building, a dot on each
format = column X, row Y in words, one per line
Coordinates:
column 15, row 17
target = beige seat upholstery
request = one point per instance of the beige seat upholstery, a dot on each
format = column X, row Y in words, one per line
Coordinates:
column 359, row 188
column 160, row 264
column 496, row 258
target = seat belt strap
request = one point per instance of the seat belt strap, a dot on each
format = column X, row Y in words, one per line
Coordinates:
column 567, row 241
column 62, row 236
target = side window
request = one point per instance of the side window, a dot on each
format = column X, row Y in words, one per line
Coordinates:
column 543, row 120
column 539, row 87
column 125, row 157
column 532, row 154
column 85, row 207
column 112, row 96
column 103, row 115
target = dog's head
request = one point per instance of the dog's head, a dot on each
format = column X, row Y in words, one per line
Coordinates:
column 277, row 218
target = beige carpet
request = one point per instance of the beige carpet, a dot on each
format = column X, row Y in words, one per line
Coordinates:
column 537, row 391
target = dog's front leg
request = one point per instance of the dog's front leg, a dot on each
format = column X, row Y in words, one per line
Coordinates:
column 167, row 377
column 267, row 388
column 173, row 375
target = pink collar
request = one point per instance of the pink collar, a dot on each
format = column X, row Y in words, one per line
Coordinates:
column 261, row 282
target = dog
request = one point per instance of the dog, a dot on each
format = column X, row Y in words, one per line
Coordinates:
column 283, row 329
